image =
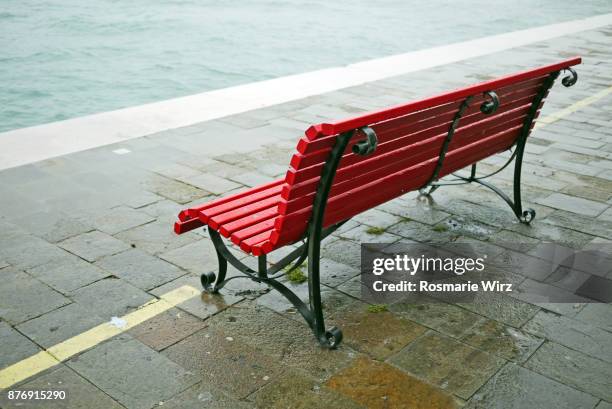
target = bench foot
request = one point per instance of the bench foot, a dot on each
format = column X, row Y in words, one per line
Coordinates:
column 333, row 338
column 527, row 216
column 208, row 281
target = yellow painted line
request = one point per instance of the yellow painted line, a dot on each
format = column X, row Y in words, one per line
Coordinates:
column 573, row 108
column 64, row 350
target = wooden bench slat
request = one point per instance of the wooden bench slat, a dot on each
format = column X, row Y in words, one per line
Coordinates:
column 238, row 202
column 259, row 228
column 387, row 134
column 248, row 192
column 400, row 110
column 243, row 211
column 326, row 142
column 394, row 151
column 247, row 221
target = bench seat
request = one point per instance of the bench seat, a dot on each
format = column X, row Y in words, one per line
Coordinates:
column 246, row 218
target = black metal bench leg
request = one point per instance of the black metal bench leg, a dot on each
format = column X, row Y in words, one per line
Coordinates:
column 327, row 338
column 210, row 281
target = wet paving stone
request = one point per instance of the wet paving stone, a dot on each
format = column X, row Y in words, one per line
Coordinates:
column 59, row 325
column 25, row 252
column 156, row 237
column 203, row 306
column 573, row 368
column 445, row 318
column 120, row 218
column 68, row 274
column 554, row 234
column 379, row 385
column 224, row 362
column 417, row 209
column 166, row 329
column 298, row 391
column 572, row 333
column 604, row 405
column 80, row 393
column 132, row 373
column 597, row 314
column 573, row 204
column 377, row 218
column 93, row 245
column 378, row 334
column 23, row 297
column 111, row 297
column 583, row 224
column 343, row 251
column 53, row 226
column 423, row 233
column 140, row 269
column 173, row 189
column 211, row 183
column 453, row 366
column 14, row 346
column 502, row 308
column 203, row 395
column 333, row 273
column 506, row 342
column 365, row 234
column 516, row 387
column 197, row 257
column 285, row 340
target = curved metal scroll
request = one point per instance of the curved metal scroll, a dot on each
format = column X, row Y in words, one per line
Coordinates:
column 368, row 145
column 571, row 79
column 488, row 107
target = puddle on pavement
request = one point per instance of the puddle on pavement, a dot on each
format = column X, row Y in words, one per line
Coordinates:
column 378, row 385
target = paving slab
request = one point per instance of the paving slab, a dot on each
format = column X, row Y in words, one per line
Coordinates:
column 140, row 269
column 514, row 387
column 203, row 395
column 378, row 334
column 597, row 314
column 174, row 190
column 132, row 373
column 574, row 204
column 453, row 366
column 93, row 245
column 118, row 219
column 507, row 342
column 379, row 385
column 59, row 325
column 80, row 393
column 295, row 390
column 224, row 362
column 156, row 237
column 14, row 346
column 53, row 226
column 446, row 318
column 197, row 257
column 203, row 306
column 24, row 252
column 211, row 183
column 110, row 297
column 573, row 368
column 572, row 333
column 23, row 297
column 166, row 328
column 68, row 274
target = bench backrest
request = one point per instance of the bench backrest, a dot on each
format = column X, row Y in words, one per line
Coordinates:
column 410, row 140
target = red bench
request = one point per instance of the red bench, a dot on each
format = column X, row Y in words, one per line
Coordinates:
column 346, row 167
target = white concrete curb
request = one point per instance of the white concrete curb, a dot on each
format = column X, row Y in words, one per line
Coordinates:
column 26, row 145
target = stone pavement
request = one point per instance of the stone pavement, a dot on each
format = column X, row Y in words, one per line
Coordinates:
column 87, row 237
